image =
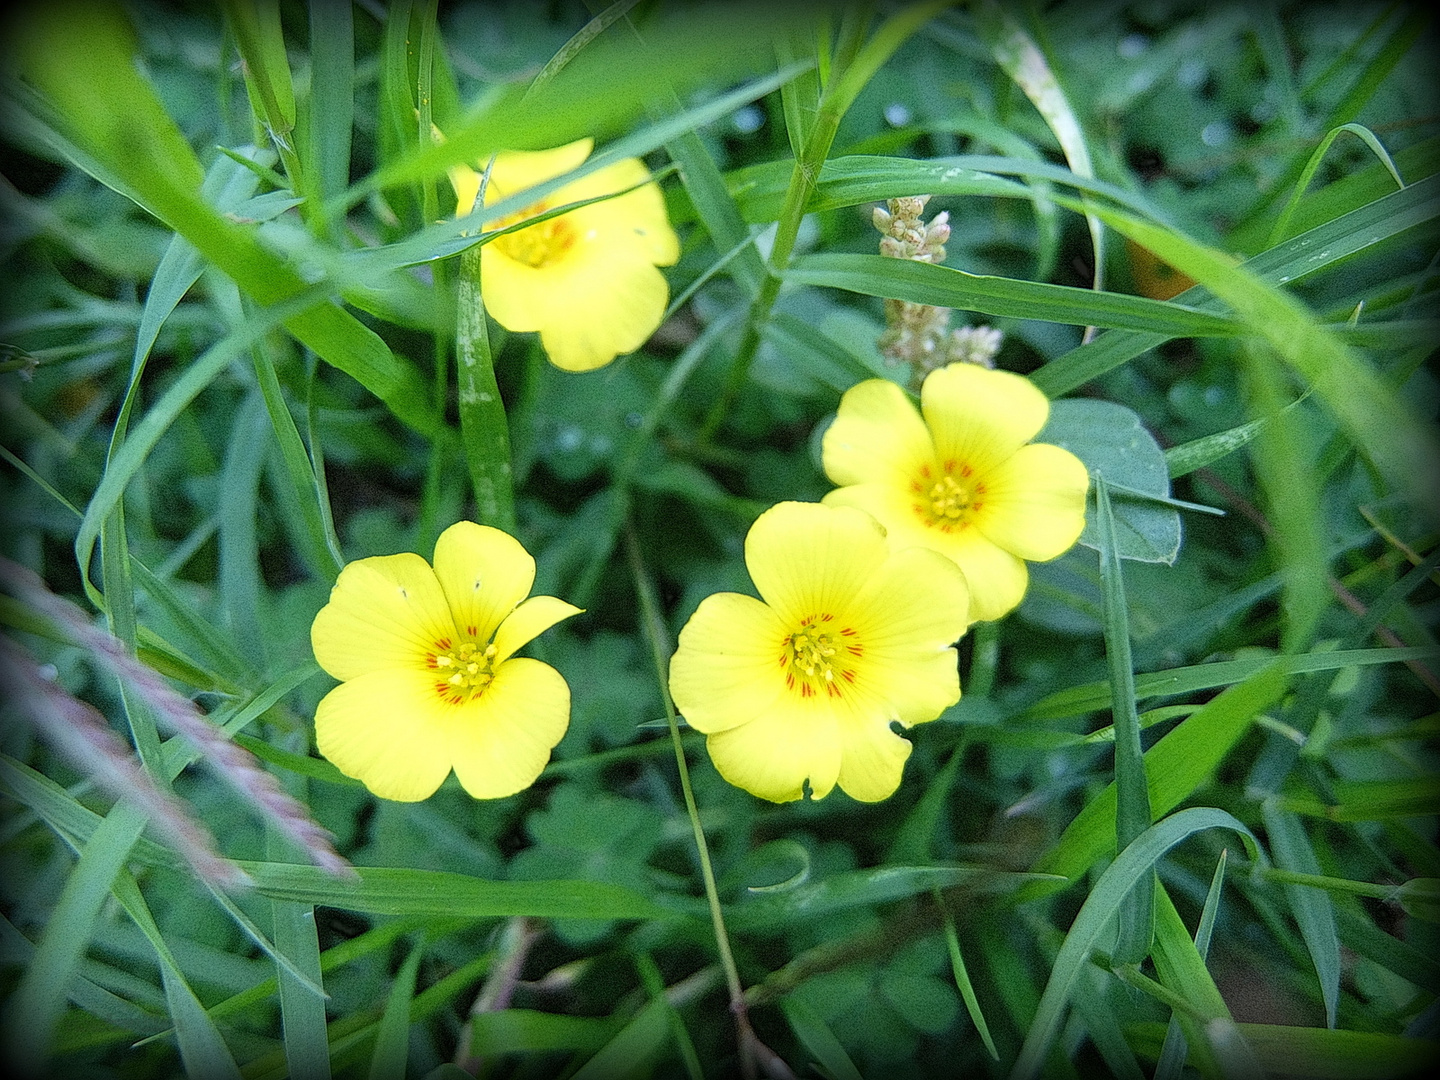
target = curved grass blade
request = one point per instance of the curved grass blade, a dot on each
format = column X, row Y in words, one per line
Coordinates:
column 962, row 977
column 1172, row 1052
column 819, row 1040
column 1312, row 908
column 1129, row 867
column 1365, row 135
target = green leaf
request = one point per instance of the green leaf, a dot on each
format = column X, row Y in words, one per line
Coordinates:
column 1420, row 899
column 944, row 286
column 382, row 890
column 1129, row 867
column 1323, row 1054
column 1371, row 800
column 636, row 1045
column 1111, row 441
column 1379, row 422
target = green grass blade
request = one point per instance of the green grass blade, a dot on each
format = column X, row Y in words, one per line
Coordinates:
column 1312, row 908
column 392, row 1040
column 1020, row 58
column 1175, row 767
column 1093, row 696
column 331, row 102
column 819, row 1040
column 944, row 286
column 1129, row 868
column 1299, row 257
column 394, row 891
column 202, row 1048
column 962, row 980
column 1172, row 1053
column 484, row 428
column 1286, row 476
column 1371, row 800
column 240, row 586
column 1132, row 805
column 1379, row 422
column 1365, row 135
column 637, row 1044
column 39, row 999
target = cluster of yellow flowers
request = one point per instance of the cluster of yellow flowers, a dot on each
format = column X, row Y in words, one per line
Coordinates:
column 863, row 596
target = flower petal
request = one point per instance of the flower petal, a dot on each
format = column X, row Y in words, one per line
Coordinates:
column 1035, row 502
column 912, row 611
column 485, row 572
column 590, row 306
column 726, row 672
column 877, row 435
column 873, row 757
column 603, row 314
column 516, row 170
column 529, row 621
column 384, row 612
column 979, row 417
column 636, row 218
column 997, row 579
column 773, row 755
column 501, row 740
column 387, row 729
column 809, row 558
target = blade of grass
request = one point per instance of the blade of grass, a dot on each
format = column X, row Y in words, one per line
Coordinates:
column 1132, row 806
column 962, row 979
column 944, row 286
column 392, row 1039
column 1365, row 135
column 202, row 1048
column 331, row 103
column 1312, row 908
column 1129, row 868
column 1175, row 768
column 1172, row 1053
column 39, row 999
column 819, row 1040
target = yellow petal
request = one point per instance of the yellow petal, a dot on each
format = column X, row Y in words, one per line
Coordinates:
column 997, row 579
column 590, row 305
column 726, row 671
column 485, row 573
column 773, row 755
column 384, row 612
column 514, row 171
column 600, row 318
column 910, row 614
column 635, row 218
column 979, row 417
column 877, row 435
column 872, row 759
column 1035, row 502
column 387, row 729
column 529, row 621
column 501, row 740
column 812, row 559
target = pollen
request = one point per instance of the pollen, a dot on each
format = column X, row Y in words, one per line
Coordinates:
column 539, row 245
column 812, row 657
column 949, row 503
column 464, row 671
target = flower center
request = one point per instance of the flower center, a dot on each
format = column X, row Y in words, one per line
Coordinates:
column 463, row 671
column 819, row 656
column 949, row 501
column 541, row 244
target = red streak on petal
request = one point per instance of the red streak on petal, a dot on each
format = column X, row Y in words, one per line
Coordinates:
column 443, row 645
column 855, row 650
column 848, row 676
column 966, row 470
column 806, row 690
column 848, row 631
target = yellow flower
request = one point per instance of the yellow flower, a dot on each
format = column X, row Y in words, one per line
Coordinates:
column 852, row 635
column 966, row 480
column 429, row 680
column 587, row 280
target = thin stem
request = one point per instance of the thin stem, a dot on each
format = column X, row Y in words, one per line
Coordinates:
column 804, row 178
column 1331, row 884
column 658, row 636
